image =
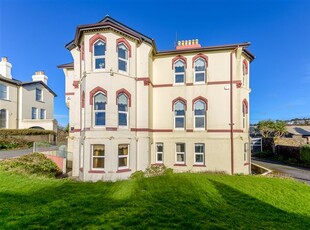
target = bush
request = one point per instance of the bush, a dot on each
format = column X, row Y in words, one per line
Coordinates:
column 264, row 154
column 13, row 143
column 34, row 163
column 305, row 154
column 137, row 175
column 12, row 132
column 156, row 170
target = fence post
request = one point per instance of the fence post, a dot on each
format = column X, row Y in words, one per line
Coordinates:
column 34, row 147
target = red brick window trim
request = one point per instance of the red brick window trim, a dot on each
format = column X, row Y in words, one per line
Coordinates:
column 125, row 42
column 179, row 57
column 177, row 100
column 124, row 91
column 245, row 106
column 201, row 99
column 202, row 56
column 245, row 67
column 94, row 39
column 95, row 91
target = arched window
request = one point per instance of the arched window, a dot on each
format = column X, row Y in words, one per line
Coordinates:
column 200, row 70
column 200, row 114
column 179, row 72
column 122, row 110
column 100, row 101
column 244, row 114
column 122, row 57
column 99, row 54
column 179, row 115
column 3, row 119
column 244, row 72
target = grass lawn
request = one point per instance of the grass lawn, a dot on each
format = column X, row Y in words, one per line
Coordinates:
column 178, row 201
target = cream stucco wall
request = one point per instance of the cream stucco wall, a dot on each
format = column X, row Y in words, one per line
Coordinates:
column 10, row 105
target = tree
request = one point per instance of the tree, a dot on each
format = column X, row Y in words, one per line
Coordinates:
column 270, row 128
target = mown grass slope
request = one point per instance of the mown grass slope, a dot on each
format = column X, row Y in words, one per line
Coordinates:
column 177, row 201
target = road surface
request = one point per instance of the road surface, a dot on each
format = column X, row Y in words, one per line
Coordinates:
column 301, row 174
column 4, row 154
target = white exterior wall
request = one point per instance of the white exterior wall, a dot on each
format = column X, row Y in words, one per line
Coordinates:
column 10, row 105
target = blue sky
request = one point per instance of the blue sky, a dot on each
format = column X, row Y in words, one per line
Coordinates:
column 33, row 34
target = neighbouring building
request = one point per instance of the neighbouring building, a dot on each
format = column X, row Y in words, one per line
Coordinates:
column 25, row 105
column 131, row 105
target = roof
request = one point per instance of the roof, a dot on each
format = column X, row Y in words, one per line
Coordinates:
column 107, row 23
column 12, row 81
column 66, row 66
column 298, row 130
column 39, row 82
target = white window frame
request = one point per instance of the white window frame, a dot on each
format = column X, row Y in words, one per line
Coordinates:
column 44, row 114
column 197, row 116
column 180, row 153
column 35, row 110
column 181, row 73
column 100, row 157
column 6, row 92
column 82, row 156
column 41, row 95
column 245, row 151
column 159, row 153
column 199, row 153
column 6, row 118
column 99, row 56
column 179, row 116
column 244, row 120
column 244, row 74
column 122, row 59
column 123, row 112
column 94, row 111
column 197, row 72
column 123, row 156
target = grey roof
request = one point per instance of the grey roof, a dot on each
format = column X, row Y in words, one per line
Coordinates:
column 298, row 130
column 12, row 81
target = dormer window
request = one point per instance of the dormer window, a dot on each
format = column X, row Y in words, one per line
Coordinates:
column 99, row 54
column 122, row 57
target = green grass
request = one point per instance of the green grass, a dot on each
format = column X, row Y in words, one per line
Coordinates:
column 177, row 201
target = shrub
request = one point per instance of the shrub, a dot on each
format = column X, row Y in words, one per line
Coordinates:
column 13, row 143
column 137, row 175
column 264, row 154
column 12, row 132
column 34, row 163
column 305, row 154
column 156, row 170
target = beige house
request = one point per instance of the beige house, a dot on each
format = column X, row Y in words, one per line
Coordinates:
column 25, row 105
column 131, row 106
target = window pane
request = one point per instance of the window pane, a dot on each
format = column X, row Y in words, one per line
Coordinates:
column 179, row 122
column 159, row 157
column 179, row 78
column 122, row 150
column 122, row 119
column 199, row 158
column 180, row 157
column 3, row 91
column 100, row 118
column 100, row 101
column 122, row 52
column 159, row 147
column 99, row 48
column 42, row 114
column 2, row 118
column 98, row 150
column 199, row 122
column 122, row 65
column 199, row 65
column 179, row 109
column 38, row 94
column 199, row 148
column 122, row 162
column 200, row 108
column 199, row 77
column 122, row 103
column 34, row 113
column 100, row 63
column 180, row 147
column 179, row 67
column 98, row 162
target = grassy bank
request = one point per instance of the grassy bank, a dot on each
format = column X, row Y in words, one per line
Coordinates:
column 179, row 201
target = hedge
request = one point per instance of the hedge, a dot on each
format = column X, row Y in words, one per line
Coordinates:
column 12, row 132
column 305, row 154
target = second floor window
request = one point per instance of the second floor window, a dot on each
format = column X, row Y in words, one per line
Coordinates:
column 200, row 71
column 199, row 114
column 179, row 72
column 100, row 101
column 42, row 114
column 39, row 96
column 3, row 92
column 3, row 118
column 179, row 115
column 99, row 54
column 122, row 58
column 122, row 110
column 34, row 113
column 244, row 110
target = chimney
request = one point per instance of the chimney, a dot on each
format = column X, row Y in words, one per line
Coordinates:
column 5, row 68
column 40, row 76
column 188, row 44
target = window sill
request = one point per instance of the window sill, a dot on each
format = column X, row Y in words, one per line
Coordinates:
column 179, row 165
column 123, row 170
column 179, row 84
column 200, row 83
column 96, row 171
column 199, row 165
column 4, row 99
column 177, row 129
column 40, row 101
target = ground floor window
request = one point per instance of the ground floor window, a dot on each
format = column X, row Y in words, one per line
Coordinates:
column 180, row 153
column 159, row 152
column 3, row 118
column 98, row 155
column 199, row 154
column 123, row 156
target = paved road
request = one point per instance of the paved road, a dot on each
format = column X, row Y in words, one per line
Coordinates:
column 298, row 173
column 20, row 152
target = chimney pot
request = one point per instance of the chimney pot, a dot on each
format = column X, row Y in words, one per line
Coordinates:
column 179, row 43
column 4, row 59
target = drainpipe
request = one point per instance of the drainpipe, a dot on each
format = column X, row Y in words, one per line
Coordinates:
column 231, row 112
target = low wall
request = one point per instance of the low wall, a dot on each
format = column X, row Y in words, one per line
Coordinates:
column 59, row 161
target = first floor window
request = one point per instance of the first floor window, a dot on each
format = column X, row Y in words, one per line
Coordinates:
column 159, row 152
column 245, row 151
column 199, row 154
column 179, row 115
column 179, row 72
column 99, row 54
column 3, row 118
column 122, row 57
column 200, row 70
column 34, row 113
column 123, row 156
column 100, row 101
column 98, row 156
column 199, row 114
column 42, row 113
column 180, row 153
column 3, row 91
column 39, row 95
column 122, row 110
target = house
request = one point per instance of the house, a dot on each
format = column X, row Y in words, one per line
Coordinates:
column 296, row 131
column 131, row 105
column 25, row 105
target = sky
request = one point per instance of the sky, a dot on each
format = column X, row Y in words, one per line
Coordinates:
column 33, row 34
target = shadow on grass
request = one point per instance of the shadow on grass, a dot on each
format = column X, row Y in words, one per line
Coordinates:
column 175, row 202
